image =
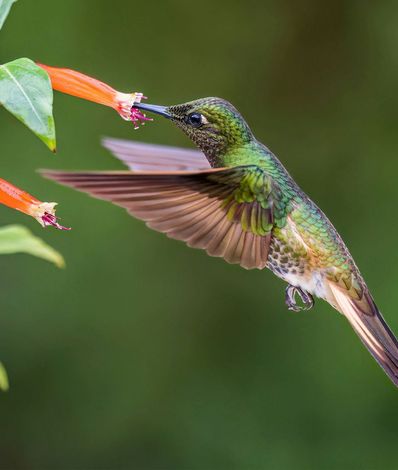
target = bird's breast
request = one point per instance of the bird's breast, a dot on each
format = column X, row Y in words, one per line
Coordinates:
column 303, row 253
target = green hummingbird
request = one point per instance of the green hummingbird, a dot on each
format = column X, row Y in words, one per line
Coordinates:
column 234, row 199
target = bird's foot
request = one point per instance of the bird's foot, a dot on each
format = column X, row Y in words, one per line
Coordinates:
column 290, row 299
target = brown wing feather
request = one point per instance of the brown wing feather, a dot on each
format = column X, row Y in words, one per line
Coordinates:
column 139, row 156
column 186, row 206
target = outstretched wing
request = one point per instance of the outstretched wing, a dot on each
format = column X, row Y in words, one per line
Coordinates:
column 149, row 157
column 228, row 212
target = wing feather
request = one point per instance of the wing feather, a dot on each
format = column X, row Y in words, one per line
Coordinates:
column 138, row 156
column 198, row 208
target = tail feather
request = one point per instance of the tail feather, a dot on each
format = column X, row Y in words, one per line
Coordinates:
column 370, row 326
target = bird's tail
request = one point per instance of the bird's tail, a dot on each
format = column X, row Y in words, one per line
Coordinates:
column 371, row 328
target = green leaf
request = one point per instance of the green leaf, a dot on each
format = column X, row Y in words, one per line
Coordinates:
column 4, row 385
column 25, row 91
column 18, row 239
column 5, row 6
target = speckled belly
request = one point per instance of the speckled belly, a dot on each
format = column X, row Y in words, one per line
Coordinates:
column 283, row 260
column 292, row 264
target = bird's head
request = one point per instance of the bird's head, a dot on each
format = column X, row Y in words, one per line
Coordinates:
column 213, row 124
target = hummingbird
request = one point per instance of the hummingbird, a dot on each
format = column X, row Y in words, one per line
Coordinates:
column 233, row 198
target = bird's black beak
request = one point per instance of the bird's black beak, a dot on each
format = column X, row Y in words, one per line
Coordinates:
column 154, row 108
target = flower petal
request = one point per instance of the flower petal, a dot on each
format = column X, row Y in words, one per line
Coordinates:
column 83, row 86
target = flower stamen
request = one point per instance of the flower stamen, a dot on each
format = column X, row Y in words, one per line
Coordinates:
column 51, row 219
column 137, row 117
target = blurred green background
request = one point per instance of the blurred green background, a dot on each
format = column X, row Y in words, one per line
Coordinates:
column 146, row 354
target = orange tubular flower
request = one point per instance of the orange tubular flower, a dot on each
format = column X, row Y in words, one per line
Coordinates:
column 77, row 84
column 20, row 200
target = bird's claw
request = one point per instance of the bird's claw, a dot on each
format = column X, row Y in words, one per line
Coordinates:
column 290, row 299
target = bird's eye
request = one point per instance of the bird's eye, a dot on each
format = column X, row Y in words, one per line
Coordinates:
column 195, row 119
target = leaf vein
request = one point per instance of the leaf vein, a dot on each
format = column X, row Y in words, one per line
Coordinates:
column 24, row 94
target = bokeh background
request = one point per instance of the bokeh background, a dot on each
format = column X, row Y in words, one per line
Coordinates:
column 146, row 354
